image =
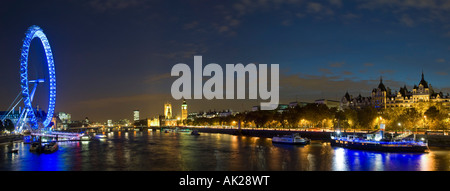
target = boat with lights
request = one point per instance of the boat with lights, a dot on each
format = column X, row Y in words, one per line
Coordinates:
column 39, row 147
column 291, row 139
column 101, row 136
column 195, row 132
column 376, row 142
column 181, row 130
column 50, row 147
column 85, row 137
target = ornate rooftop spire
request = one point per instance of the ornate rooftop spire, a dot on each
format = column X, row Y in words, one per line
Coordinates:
column 381, row 85
column 423, row 82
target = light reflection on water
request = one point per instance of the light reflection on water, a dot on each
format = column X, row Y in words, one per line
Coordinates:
column 159, row 151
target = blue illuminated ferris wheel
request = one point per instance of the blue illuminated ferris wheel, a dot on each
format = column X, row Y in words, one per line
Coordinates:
column 27, row 85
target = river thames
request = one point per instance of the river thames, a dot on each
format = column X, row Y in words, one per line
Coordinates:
column 159, row 151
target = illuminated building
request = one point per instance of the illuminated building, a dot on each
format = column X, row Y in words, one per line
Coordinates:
column 54, row 121
column 379, row 95
column 168, row 111
column 168, row 118
column 110, row 123
column 123, row 122
column 136, row 115
column 65, row 119
column 184, row 112
column 170, row 122
column 153, row 122
column 382, row 97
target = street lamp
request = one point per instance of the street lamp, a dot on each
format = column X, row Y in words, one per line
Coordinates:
column 400, row 126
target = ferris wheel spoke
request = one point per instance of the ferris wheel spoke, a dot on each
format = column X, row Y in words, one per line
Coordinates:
column 37, row 81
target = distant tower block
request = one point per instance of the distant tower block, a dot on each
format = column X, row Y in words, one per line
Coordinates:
column 136, row 115
column 168, row 111
column 184, row 112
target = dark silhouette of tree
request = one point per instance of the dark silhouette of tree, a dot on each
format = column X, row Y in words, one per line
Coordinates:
column 435, row 118
column 366, row 117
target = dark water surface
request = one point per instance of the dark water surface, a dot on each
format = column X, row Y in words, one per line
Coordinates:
column 159, row 151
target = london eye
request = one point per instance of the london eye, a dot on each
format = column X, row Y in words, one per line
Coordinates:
column 29, row 118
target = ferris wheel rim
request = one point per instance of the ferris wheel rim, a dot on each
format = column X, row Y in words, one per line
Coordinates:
column 36, row 32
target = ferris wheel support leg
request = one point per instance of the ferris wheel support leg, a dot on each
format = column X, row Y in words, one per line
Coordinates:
column 22, row 119
column 32, row 92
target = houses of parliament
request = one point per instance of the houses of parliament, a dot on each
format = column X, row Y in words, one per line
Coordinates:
column 382, row 97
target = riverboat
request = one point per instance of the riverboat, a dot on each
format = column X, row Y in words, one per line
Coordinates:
column 35, row 147
column 195, row 132
column 85, row 137
column 50, row 147
column 291, row 139
column 379, row 144
column 182, row 130
column 100, row 136
column 44, row 148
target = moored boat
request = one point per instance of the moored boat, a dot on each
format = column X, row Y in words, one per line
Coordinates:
column 50, row 147
column 85, row 137
column 35, row 147
column 100, row 136
column 379, row 144
column 182, row 130
column 195, row 132
column 291, row 139
column 44, row 148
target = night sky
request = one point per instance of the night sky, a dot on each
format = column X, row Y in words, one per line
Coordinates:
column 113, row 56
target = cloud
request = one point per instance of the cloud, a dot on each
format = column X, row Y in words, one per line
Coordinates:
column 442, row 73
column 406, row 20
column 337, row 64
column 350, row 16
column 431, row 11
column 108, row 5
column 223, row 29
column 404, row 4
column 183, row 50
column 440, row 60
column 190, row 25
column 348, row 73
column 286, row 23
column 368, row 64
column 387, row 71
column 337, row 3
column 314, row 7
column 156, row 78
column 325, row 70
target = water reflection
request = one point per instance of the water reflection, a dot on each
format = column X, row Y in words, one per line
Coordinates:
column 155, row 150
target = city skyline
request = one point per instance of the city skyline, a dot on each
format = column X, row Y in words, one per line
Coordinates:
column 113, row 57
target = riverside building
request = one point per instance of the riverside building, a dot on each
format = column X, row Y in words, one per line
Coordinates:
column 382, row 97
